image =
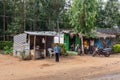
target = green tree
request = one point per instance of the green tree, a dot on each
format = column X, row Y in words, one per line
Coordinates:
column 34, row 15
column 17, row 24
column 100, row 18
column 112, row 13
column 53, row 9
column 64, row 22
column 83, row 16
column 6, row 17
column 108, row 14
column 31, row 15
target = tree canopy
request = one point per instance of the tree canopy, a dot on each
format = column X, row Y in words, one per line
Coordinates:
column 17, row 16
column 108, row 14
column 83, row 16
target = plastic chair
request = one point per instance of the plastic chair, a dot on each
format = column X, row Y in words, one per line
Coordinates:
column 51, row 52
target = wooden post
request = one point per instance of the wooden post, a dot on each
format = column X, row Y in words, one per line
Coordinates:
column 34, row 46
column 29, row 44
column 29, row 39
column 45, row 47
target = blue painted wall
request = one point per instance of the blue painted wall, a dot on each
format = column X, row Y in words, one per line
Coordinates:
column 99, row 44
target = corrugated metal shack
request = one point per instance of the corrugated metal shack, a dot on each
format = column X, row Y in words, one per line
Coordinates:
column 106, row 36
column 34, row 43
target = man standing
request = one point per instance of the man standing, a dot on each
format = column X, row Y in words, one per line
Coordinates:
column 91, row 46
column 57, row 52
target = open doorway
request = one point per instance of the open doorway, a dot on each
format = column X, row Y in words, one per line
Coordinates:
column 72, row 42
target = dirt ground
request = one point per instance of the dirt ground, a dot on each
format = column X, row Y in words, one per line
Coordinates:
column 69, row 68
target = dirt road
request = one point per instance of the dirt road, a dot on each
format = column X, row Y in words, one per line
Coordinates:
column 69, row 68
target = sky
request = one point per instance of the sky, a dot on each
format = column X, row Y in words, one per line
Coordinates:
column 104, row 0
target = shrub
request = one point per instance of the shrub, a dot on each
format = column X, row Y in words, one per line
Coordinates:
column 116, row 48
column 24, row 56
column 5, row 43
column 62, row 47
column 8, row 50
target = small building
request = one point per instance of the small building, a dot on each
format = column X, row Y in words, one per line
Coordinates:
column 34, row 43
column 103, row 38
column 109, row 36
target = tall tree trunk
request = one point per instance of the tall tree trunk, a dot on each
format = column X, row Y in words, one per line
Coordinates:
column 82, row 47
column 34, row 21
column 49, row 23
column 22, row 16
column 58, row 30
column 4, row 20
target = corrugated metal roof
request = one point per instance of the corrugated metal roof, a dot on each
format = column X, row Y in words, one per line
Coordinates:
column 108, row 31
column 104, row 35
column 43, row 33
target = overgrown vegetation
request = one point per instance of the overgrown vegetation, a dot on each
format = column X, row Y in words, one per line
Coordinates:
column 7, row 47
column 24, row 56
column 8, row 50
column 3, row 44
column 116, row 48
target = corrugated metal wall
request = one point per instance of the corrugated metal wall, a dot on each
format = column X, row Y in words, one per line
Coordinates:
column 20, row 44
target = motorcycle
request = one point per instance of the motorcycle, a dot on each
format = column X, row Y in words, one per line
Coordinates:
column 106, row 52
